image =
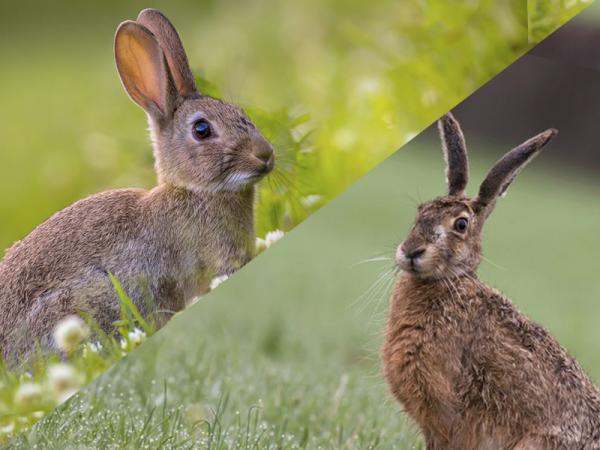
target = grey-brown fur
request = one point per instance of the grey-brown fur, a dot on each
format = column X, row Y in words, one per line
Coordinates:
column 470, row 369
column 163, row 245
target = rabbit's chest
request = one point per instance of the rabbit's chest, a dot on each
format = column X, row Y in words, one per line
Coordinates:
column 223, row 254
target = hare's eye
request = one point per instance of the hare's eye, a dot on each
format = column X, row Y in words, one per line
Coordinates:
column 201, row 129
column 460, row 224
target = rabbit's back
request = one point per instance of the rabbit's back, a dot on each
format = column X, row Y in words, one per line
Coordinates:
column 62, row 266
column 76, row 236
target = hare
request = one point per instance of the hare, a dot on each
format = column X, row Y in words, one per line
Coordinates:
column 164, row 245
column 467, row 366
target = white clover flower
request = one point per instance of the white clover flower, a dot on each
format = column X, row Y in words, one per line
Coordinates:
column 261, row 245
column 311, row 200
column 91, row 347
column 273, row 236
column 136, row 337
column 28, row 394
column 95, row 347
column 7, row 428
column 69, row 333
column 63, row 377
column 66, row 395
column 218, row 281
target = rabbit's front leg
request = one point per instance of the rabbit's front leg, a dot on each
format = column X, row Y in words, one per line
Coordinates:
column 235, row 260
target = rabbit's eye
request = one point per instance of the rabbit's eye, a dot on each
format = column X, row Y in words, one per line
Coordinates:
column 460, row 224
column 201, row 129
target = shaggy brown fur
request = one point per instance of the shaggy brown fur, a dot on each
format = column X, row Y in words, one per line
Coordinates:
column 163, row 245
column 472, row 371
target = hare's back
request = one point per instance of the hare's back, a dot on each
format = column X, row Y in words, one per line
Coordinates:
column 80, row 235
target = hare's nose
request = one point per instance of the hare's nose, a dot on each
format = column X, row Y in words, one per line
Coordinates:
column 263, row 151
column 415, row 254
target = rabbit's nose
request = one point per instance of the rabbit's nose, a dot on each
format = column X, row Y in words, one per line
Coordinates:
column 263, row 151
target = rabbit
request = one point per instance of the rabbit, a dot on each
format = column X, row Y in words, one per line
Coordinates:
column 471, row 370
column 163, row 245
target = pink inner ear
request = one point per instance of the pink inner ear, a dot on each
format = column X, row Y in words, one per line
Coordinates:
column 141, row 65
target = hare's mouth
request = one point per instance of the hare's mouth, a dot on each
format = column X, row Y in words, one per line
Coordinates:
column 416, row 267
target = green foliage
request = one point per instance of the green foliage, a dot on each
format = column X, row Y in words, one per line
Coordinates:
column 545, row 16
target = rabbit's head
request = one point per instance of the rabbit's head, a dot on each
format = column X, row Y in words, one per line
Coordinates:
column 445, row 240
column 200, row 143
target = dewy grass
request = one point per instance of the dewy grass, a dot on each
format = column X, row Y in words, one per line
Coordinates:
column 130, row 316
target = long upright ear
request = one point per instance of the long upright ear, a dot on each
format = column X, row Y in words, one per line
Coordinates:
column 143, row 70
column 455, row 154
column 171, row 45
column 502, row 174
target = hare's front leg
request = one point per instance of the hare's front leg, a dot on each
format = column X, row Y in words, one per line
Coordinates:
column 534, row 443
column 433, row 441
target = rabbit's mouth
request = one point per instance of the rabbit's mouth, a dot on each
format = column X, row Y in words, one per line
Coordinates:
column 240, row 180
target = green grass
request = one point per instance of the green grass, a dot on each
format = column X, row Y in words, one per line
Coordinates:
column 285, row 354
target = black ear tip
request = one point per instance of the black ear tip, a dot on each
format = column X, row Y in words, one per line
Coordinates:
column 448, row 118
column 448, row 124
column 548, row 135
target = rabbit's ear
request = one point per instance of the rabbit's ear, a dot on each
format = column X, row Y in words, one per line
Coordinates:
column 455, row 154
column 143, row 70
column 172, row 47
column 502, row 174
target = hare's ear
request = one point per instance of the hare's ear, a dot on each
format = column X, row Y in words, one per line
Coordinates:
column 172, row 47
column 455, row 154
column 502, row 174
column 143, row 70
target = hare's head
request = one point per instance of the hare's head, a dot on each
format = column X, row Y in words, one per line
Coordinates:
column 200, row 143
column 445, row 240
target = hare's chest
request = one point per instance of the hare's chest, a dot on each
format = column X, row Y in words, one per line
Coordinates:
column 422, row 364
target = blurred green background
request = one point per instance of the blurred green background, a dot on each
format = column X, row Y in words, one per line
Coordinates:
column 367, row 78
column 285, row 354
